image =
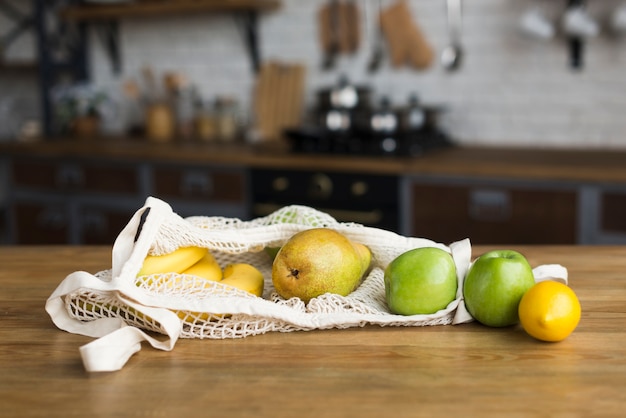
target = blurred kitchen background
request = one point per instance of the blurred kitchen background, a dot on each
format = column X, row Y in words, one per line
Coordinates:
column 532, row 75
column 512, row 89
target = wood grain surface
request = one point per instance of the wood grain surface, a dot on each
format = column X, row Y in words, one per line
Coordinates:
column 463, row 370
column 505, row 163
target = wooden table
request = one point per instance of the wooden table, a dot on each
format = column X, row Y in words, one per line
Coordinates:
column 463, row 370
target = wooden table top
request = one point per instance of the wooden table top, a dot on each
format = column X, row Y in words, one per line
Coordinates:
column 455, row 370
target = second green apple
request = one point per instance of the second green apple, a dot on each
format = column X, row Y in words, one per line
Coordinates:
column 420, row 281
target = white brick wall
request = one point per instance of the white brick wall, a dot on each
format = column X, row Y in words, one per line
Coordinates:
column 511, row 90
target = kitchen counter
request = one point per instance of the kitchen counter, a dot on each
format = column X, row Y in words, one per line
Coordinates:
column 526, row 163
column 462, row 370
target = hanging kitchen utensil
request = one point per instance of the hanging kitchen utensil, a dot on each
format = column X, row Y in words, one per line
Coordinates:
column 328, row 22
column 452, row 55
column 406, row 41
column 352, row 26
column 378, row 43
column 421, row 54
column 394, row 34
column 339, row 30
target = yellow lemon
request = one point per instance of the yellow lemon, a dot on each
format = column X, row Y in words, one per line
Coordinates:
column 549, row 311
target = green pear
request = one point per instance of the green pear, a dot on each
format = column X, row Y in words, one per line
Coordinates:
column 318, row 261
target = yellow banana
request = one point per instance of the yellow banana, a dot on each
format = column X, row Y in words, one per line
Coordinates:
column 241, row 268
column 207, row 268
column 242, row 276
column 174, row 262
column 245, row 277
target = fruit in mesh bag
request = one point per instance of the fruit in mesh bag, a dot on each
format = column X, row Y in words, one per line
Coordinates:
column 207, row 268
column 318, row 261
column 420, row 281
column 549, row 311
column 494, row 286
column 199, row 262
column 245, row 277
column 174, row 262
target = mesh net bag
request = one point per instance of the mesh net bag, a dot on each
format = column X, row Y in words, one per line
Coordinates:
column 121, row 311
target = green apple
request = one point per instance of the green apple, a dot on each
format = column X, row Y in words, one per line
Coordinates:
column 494, row 286
column 420, row 281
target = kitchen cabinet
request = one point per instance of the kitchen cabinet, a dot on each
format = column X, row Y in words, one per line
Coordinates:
column 66, row 200
column 85, row 191
column 494, row 212
column 61, row 200
column 606, row 214
column 74, row 176
column 43, row 222
column 199, row 183
column 201, row 189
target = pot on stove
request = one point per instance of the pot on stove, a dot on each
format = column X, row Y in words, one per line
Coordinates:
column 383, row 128
column 344, row 95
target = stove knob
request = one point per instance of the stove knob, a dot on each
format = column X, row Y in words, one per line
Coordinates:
column 389, row 145
column 280, row 184
column 359, row 188
column 321, row 186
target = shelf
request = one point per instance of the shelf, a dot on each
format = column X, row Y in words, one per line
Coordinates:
column 107, row 16
column 96, row 12
column 18, row 66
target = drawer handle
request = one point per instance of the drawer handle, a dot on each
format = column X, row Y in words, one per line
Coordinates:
column 196, row 184
column 94, row 223
column 489, row 205
column 52, row 219
column 70, row 177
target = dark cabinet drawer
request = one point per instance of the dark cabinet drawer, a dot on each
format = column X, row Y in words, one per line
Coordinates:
column 101, row 226
column 72, row 176
column 493, row 215
column 199, row 184
column 613, row 212
column 41, row 223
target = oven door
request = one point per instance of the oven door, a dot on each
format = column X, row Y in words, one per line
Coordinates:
column 371, row 200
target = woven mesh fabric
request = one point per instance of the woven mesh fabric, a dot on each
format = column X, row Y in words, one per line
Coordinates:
column 213, row 310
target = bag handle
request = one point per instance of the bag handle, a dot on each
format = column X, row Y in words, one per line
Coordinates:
column 133, row 243
column 117, row 341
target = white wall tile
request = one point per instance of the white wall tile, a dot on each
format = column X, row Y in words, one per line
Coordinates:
column 512, row 90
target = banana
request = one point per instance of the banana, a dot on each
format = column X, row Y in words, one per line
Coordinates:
column 245, row 277
column 174, row 262
column 207, row 268
column 242, row 276
column 240, row 268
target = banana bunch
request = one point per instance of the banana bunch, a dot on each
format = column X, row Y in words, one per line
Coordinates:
column 200, row 262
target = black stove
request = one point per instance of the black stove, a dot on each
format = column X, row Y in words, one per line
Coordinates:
column 316, row 140
column 368, row 199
